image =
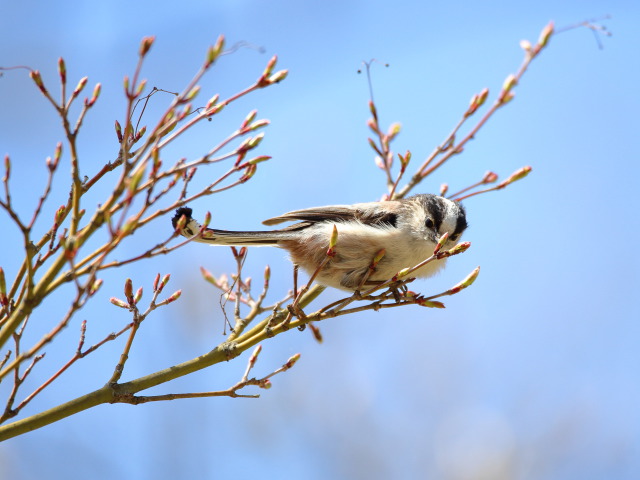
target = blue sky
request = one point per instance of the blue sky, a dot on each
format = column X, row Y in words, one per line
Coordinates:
column 531, row 373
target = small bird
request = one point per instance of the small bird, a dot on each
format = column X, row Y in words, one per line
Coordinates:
column 408, row 230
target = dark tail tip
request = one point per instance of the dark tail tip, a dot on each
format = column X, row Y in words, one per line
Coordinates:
column 186, row 211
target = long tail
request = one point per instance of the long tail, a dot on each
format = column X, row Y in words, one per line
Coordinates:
column 226, row 237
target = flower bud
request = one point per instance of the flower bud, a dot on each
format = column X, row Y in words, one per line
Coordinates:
column 379, row 256
column 430, row 303
column 119, row 131
column 208, row 276
column 333, row 240
column 95, row 286
column 62, row 70
column 207, row 220
column 489, row 177
column 525, row 45
column 214, row 52
column 119, row 303
column 467, row 282
column 394, row 130
column 269, row 68
column 509, row 83
column 545, row 35
column 137, row 296
column 181, row 223
column 145, row 45
column 292, row 361
column 278, row 76
column 254, row 356
column 81, row 84
column 175, row 296
column 261, row 158
column 193, row 93
column 128, row 289
column 266, row 384
column 3, row 283
column 441, row 242
column 37, row 79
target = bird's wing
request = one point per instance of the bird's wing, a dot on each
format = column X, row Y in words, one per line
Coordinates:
column 375, row 213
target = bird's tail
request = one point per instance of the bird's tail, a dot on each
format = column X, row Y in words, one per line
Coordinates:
column 225, row 237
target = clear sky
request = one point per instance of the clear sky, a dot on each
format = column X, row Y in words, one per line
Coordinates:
column 532, row 373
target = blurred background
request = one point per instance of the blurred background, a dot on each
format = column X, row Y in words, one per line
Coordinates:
column 530, row 374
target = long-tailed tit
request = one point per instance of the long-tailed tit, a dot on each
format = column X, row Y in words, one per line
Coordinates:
column 408, row 230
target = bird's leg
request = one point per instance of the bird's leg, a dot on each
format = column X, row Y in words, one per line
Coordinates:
column 295, row 279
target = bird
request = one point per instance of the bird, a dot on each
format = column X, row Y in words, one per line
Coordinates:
column 408, row 231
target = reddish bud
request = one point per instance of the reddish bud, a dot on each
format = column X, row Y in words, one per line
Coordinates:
column 212, row 101
column 181, row 223
column 509, row 83
column 95, row 95
column 119, row 303
column 128, row 289
column 214, row 52
column 62, row 70
column 430, row 303
column 402, row 273
column 525, row 45
column 81, row 84
column 269, row 68
column 545, row 35
column 119, row 131
column 206, row 274
column 7, row 168
column 37, row 79
column 207, row 220
column 261, row 158
column 3, row 283
column 95, row 286
column 333, row 240
column 373, row 125
column 146, row 44
column 267, row 273
column 250, row 172
column 515, row 176
column 373, row 110
column 468, row 281
column 156, row 281
column 443, row 189
column 137, row 296
column 266, row 384
column 278, row 76
column 316, row 332
column 441, row 242
column 59, row 215
column 193, row 93
column 507, row 98
column 394, row 130
column 256, row 125
column 175, row 296
column 254, row 356
column 379, row 256
column 292, row 361
column 489, row 177
column 248, row 119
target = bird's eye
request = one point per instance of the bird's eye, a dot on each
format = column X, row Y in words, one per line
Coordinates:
column 428, row 223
